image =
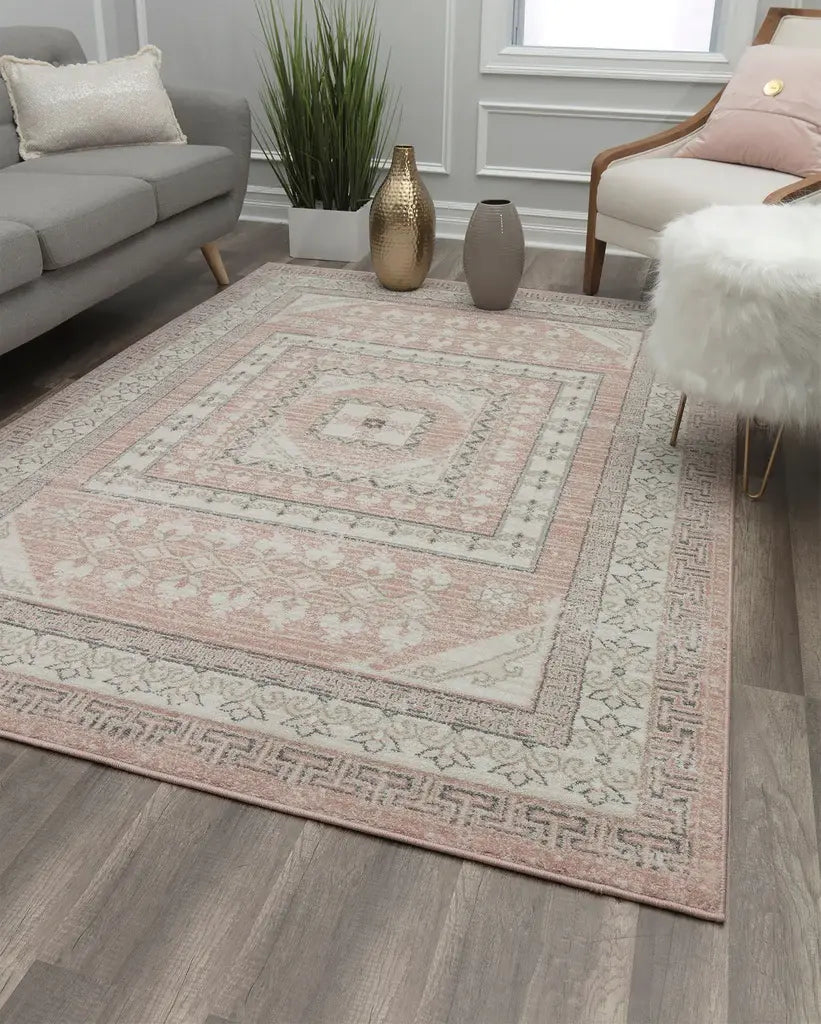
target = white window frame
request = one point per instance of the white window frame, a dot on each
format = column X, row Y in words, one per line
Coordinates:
column 735, row 26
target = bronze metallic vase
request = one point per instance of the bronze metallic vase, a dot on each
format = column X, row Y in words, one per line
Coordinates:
column 403, row 225
column 494, row 255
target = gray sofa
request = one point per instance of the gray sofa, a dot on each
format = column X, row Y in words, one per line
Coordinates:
column 77, row 227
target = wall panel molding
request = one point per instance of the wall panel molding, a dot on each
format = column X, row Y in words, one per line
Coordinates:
column 486, row 108
column 447, row 98
column 141, row 12
column 99, row 30
column 442, row 166
column 423, row 166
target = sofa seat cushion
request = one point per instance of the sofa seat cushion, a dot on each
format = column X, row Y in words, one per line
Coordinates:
column 181, row 176
column 20, row 259
column 652, row 191
column 76, row 215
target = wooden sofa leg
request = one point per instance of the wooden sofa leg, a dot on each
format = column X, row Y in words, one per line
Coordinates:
column 214, row 260
column 593, row 263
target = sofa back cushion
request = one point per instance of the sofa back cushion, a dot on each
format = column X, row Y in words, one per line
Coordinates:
column 56, row 45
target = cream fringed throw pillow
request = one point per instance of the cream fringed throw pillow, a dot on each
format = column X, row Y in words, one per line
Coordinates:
column 120, row 102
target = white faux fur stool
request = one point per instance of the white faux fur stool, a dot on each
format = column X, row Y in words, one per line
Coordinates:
column 738, row 314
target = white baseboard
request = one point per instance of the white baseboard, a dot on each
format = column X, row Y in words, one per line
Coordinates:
column 544, row 229
column 263, row 203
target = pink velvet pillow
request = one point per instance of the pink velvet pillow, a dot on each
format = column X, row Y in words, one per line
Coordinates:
column 769, row 115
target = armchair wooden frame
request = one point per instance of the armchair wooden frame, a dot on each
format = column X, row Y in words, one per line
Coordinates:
column 595, row 248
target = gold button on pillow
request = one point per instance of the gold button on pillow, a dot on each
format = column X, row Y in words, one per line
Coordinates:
column 773, row 87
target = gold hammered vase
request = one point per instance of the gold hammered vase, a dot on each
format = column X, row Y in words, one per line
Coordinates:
column 403, row 225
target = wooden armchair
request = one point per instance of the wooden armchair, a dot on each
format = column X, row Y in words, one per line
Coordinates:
column 637, row 188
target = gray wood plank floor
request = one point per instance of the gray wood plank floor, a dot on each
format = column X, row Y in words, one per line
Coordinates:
column 130, row 901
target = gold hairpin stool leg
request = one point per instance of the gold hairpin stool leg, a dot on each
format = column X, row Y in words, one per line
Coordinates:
column 746, row 474
column 677, row 424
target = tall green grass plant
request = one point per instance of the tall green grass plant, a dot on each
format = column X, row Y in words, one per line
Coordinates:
column 328, row 112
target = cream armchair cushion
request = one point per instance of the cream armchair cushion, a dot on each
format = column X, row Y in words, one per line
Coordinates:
column 649, row 193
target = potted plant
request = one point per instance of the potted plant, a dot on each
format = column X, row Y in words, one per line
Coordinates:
column 327, row 115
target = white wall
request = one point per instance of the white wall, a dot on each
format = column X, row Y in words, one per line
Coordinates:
column 105, row 28
column 529, row 138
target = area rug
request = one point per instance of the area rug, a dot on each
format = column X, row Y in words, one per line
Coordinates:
column 394, row 563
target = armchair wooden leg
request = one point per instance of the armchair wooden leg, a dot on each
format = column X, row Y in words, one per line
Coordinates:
column 593, row 263
column 214, row 260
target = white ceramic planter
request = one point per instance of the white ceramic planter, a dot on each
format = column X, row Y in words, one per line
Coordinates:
column 329, row 234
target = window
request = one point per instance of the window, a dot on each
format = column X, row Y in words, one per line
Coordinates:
column 695, row 41
column 668, row 25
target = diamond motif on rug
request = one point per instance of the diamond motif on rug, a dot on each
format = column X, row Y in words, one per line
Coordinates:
column 478, row 481
column 390, row 562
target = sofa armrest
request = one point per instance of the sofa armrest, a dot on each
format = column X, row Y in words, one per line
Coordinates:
column 212, row 118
